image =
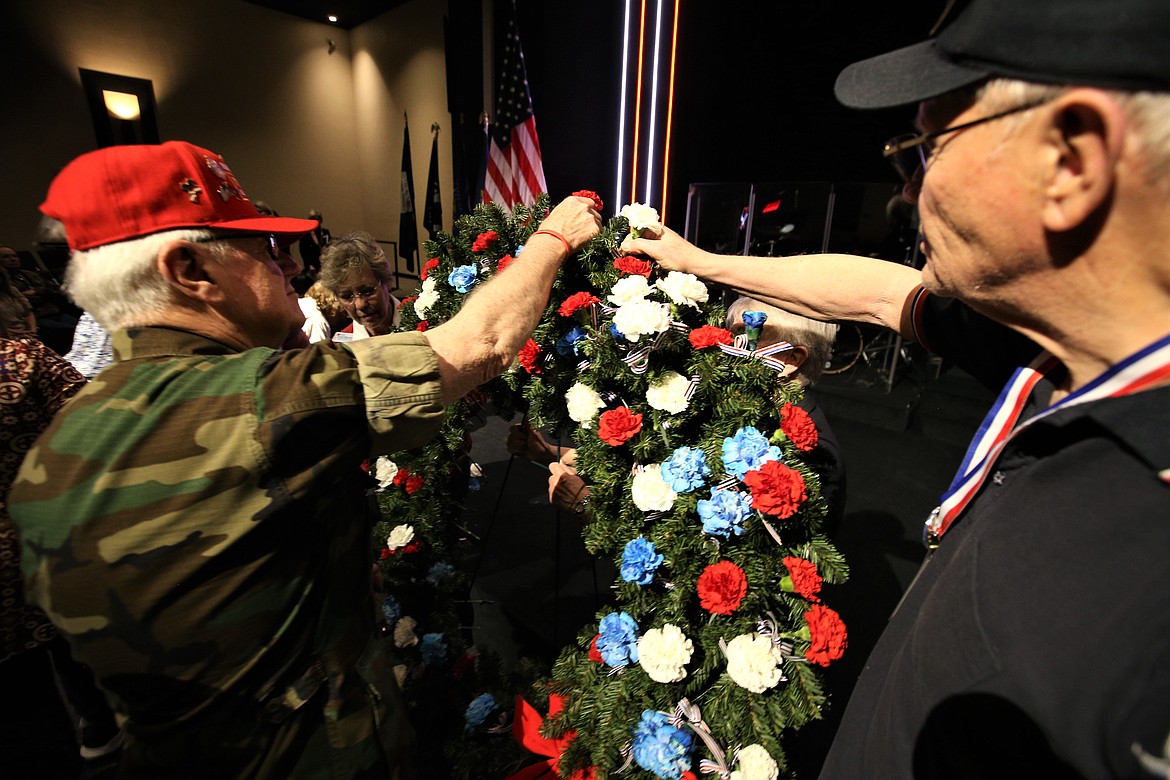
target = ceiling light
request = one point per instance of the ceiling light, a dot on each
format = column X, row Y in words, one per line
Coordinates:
column 333, row 18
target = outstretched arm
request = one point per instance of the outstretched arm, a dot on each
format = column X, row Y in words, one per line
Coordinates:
column 823, row 287
column 481, row 341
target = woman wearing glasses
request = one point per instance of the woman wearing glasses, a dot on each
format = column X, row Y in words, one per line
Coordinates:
column 355, row 269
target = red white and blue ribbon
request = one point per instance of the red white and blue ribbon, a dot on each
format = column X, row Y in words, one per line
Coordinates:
column 1139, row 371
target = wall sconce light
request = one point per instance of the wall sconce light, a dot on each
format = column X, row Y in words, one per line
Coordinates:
column 122, row 104
column 122, row 108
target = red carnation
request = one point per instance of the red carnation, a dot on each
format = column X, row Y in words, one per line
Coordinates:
column 803, row 578
column 422, row 325
column 413, row 547
column 776, row 489
column 709, row 336
column 505, row 261
column 722, row 587
column 386, row 554
column 634, row 266
column 827, row 635
column 462, row 665
column 413, row 483
column 594, row 653
column 409, row 300
column 576, row 302
column 430, row 265
column 617, row 426
column 798, row 427
column 400, row 476
column 530, row 357
column 484, row 240
column 593, row 196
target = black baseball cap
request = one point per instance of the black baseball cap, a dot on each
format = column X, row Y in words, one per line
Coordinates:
column 1113, row 44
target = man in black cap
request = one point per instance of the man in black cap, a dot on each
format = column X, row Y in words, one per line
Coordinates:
column 1035, row 641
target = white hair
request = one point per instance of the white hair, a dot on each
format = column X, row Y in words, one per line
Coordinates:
column 1147, row 112
column 782, row 325
column 119, row 284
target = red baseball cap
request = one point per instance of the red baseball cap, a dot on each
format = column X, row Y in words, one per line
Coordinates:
column 124, row 192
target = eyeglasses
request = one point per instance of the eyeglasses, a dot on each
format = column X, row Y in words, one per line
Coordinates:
column 270, row 246
column 910, row 153
column 365, row 293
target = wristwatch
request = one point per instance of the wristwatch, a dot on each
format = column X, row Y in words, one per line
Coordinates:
column 579, row 505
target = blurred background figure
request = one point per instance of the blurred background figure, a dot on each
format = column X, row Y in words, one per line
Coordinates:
column 355, row 269
column 311, row 245
column 324, row 314
column 34, row 658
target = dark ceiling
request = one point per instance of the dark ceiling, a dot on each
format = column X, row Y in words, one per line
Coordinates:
column 349, row 13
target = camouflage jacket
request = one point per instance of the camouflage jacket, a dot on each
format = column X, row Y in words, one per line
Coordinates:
column 195, row 522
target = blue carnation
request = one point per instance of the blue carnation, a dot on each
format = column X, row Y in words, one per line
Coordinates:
column 433, row 649
column 392, row 610
column 567, row 344
column 661, row 747
column 618, row 336
column 640, row 560
column 439, row 572
column 618, row 643
column 725, row 512
column 747, row 451
column 463, row 278
column 481, row 706
column 754, row 319
column 685, row 470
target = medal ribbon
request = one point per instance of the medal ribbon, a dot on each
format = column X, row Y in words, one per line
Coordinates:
column 1140, row 370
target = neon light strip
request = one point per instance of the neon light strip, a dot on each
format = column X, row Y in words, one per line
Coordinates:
column 638, row 106
column 653, row 105
column 621, row 153
column 669, row 114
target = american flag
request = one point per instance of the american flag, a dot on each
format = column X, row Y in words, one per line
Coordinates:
column 515, row 173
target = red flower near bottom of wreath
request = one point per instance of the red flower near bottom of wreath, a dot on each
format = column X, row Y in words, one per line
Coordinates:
column 827, row 635
column 722, row 587
column 776, row 489
column 526, row 725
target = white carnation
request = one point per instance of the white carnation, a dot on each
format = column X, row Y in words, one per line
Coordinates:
column 426, row 299
column 683, row 289
column 755, row 764
column 384, row 471
column 669, row 393
column 404, row 635
column 753, row 662
column 628, row 289
column 583, row 403
column 639, row 215
column 664, row 653
column 650, row 491
column 400, row 536
column 637, row 318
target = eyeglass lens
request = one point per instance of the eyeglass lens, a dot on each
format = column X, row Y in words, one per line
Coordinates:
column 365, row 293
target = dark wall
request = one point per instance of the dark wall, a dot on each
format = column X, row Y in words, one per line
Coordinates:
column 753, row 94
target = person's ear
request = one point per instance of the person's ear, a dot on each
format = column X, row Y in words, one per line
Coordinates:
column 1084, row 144
column 191, row 272
column 794, row 358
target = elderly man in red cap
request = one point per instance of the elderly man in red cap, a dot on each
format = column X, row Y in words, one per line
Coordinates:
column 195, row 521
column 1035, row 640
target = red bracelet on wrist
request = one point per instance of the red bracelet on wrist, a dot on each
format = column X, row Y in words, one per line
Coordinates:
column 558, row 236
